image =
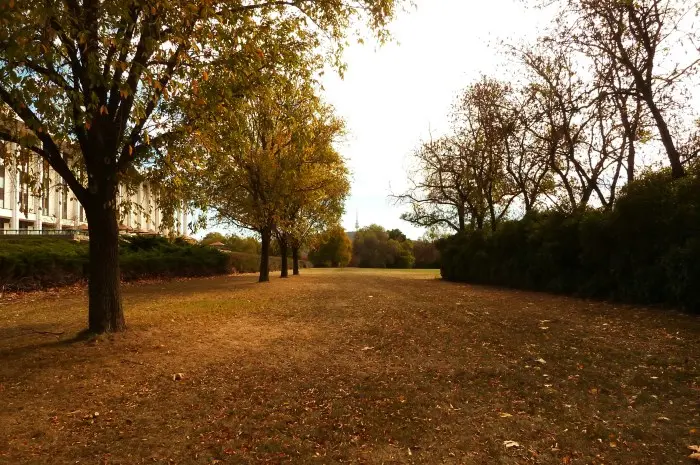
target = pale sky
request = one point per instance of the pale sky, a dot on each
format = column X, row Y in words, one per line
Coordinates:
column 392, row 96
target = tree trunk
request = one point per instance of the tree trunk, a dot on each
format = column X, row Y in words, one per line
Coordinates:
column 631, row 134
column 295, row 261
column 674, row 157
column 266, row 235
column 461, row 218
column 284, row 269
column 105, row 312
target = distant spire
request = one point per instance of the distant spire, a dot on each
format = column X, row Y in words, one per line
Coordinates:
column 357, row 220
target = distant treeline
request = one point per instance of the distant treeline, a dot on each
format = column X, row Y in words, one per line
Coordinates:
column 373, row 247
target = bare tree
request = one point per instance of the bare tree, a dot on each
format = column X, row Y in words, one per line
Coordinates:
column 638, row 39
column 440, row 188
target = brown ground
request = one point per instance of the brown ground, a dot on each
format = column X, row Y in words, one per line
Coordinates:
column 347, row 366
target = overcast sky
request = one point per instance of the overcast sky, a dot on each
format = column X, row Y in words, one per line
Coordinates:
column 392, row 96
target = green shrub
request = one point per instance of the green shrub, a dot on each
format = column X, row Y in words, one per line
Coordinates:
column 38, row 262
column 646, row 250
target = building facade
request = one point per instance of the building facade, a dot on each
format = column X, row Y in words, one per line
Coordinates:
column 33, row 197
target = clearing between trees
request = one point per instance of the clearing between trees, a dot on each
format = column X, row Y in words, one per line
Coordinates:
column 363, row 366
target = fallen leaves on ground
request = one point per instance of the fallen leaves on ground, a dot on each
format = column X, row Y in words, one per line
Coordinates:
column 285, row 373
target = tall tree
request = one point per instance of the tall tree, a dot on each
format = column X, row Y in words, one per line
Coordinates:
column 270, row 165
column 483, row 126
column 317, row 182
column 247, row 157
column 87, row 79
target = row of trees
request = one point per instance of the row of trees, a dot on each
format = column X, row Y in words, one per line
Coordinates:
column 187, row 93
column 271, row 166
column 596, row 100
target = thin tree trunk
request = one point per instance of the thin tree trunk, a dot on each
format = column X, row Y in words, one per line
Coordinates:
column 295, row 261
column 266, row 236
column 674, row 157
column 461, row 218
column 105, row 312
column 284, row 271
column 631, row 133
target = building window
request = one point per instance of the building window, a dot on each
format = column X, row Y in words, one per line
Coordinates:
column 82, row 214
column 2, row 183
column 23, row 193
column 64, row 201
column 45, row 189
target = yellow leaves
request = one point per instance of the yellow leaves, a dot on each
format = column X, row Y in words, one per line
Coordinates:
column 205, row 75
column 131, row 150
column 147, row 139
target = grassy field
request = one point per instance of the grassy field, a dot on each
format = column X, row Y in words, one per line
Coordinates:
column 346, row 366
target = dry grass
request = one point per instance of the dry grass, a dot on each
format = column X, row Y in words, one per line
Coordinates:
column 347, row 366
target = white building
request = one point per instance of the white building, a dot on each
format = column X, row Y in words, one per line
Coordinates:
column 47, row 204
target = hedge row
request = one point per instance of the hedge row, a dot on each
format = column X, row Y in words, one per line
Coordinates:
column 646, row 250
column 35, row 263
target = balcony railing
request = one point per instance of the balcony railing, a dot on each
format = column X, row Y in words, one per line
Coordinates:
column 43, row 232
